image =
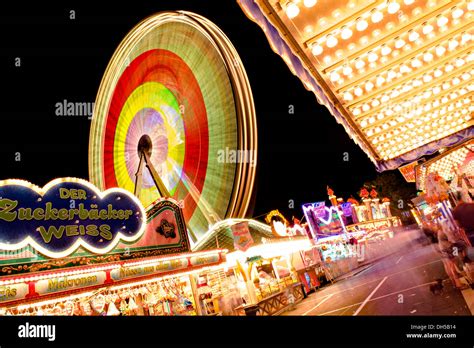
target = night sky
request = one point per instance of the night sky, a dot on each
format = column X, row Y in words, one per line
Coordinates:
column 61, row 59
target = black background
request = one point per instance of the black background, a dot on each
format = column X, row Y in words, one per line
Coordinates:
column 62, row 59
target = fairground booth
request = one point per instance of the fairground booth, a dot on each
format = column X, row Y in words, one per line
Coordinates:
column 272, row 265
column 443, row 181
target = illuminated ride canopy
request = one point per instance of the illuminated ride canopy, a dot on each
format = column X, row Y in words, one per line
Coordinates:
column 175, row 95
column 397, row 74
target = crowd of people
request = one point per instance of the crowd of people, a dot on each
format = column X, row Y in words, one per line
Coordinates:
column 455, row 243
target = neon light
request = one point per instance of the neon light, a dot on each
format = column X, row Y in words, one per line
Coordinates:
column 79, row 242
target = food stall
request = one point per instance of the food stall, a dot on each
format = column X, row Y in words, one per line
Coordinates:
column 96, row 253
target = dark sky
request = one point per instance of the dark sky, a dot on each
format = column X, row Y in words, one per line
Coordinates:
column 61, row 59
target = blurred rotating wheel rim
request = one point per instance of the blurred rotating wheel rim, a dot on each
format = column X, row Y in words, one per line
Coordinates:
column 177, row 81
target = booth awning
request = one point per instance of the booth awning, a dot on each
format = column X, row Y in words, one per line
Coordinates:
column 397, row 74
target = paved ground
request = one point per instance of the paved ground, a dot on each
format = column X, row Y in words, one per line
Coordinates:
column 395, row 285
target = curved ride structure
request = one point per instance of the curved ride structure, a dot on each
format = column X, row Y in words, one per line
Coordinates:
column 174, row 117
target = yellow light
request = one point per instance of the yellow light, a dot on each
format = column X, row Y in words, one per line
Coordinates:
column 452, row 44
column 292, row 10
column 346, row 32
column 335, row 76
column 309, row 3
column 470, row 5
column 358, row 91
column 359, row 63
column 399, row 43
column 413, row 35
column 348, row 96
column 457, row 12
column 331, row 41
column 376, row 15
column 427, row 28
column 372, row 57
column 380, row 80
column 316, row 49
column 361, row 24
column 440, row 50
column 369, row 86
column 408, row 2
column 346, row 70
column 441, row 20
column 385, row 50
column 393, row 7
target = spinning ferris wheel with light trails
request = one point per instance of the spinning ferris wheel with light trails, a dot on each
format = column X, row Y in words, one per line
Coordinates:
column 174, row 97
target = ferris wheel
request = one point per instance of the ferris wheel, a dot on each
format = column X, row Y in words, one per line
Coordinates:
column 174, row 117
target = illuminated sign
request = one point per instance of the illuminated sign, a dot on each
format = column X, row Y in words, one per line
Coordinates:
column 408, row 171
column 67, row 214
column 323, row 221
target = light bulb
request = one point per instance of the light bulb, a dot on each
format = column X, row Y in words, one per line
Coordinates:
column 427, row 57
column 441, row 20
column 335, row 76
column 346, row 33
column 448, row 68
column 309, row 3
column 346, row 70
column 457, row 12
column 413, row 35
column 391, row 74
column 459, row 62
column 470, row 5
column 348, row 96
column 440, row 50
column 385, row 50
column 399, row 43
column 369, row 86
column 408, row 2
column 376, row 16
column 393, row 7
column 359, row 63
column 380, row 80
column 452, row 44
column 361, row 24
column 466, row 37
column 358, row 91
column 427, row 78
column 292, row 10
column 438, row 73
column 331, row 41
column 316, row 49
column 372, row 57
column 427, row 28
column 415, row 63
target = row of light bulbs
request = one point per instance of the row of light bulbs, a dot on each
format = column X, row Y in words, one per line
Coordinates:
column 360, row 24
column 414, row 64
column 388, row 152
column 434, row 119
column 456, row 80
column 401, row 118
column 380, row 54
column 397, row 116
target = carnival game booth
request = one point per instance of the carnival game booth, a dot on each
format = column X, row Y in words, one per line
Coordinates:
column 69, row 249
column 266, row 267
column 443, row 181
